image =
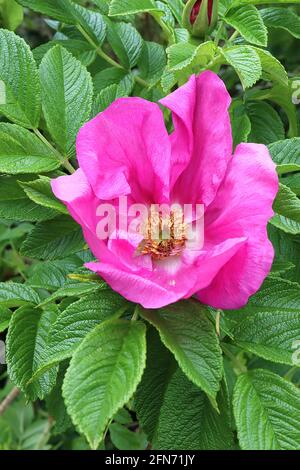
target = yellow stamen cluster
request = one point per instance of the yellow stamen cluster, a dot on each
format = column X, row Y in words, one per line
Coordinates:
column 164, row 235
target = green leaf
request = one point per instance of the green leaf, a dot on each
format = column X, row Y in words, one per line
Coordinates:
column 287, row 208
column 282, row 18
column 123, row 439
column 20, row 76
column 126, row 7
column 185, row 55
column 287, row 203
column 73, row 289
column 60, row 9
column 149, row 397
column 92, row 22
column 64, row 83
column 285, row 224
column 165, row 17
column 248, row 22
column 40, row 192
column 105, row 98
column 287, row 248
column 51, row 275
column 267, row 412
column 53, row 239
column 176, row 6
column 172, row 411
column 56, row 405
column 26, row 343
column 281, row 267
column 282, row 95
column 123, row 417
column 269, row 324
column 181, row 35
column 77, row 320
column 114, row 76
column 266, row 125
column 125, row 41
column 15, row 205
column 22, row 152
column 71, row 13
column 11, row 14
column 16, row 295
column 82, row 50
column 293, row 182
column 272, row 69
column 152, row 62
column 241, row 125
column 103, row 375
column 5, row 316
column 168, row 80
column 186, row 331
column 245, row 61
column 102, row 5
column 286, row 155
column 180, row 55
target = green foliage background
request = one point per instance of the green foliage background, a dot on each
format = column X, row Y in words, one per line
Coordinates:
column 85, row 368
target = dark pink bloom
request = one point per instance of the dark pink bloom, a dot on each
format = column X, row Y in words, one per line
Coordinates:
column 126, row 150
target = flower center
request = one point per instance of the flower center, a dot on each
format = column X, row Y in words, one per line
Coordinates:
column 164, row 235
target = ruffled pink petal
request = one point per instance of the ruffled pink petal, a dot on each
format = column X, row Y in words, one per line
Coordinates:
column 169, row 280
column 202, row 139
column 243, row 206
column 76, row 193
column 126, row 150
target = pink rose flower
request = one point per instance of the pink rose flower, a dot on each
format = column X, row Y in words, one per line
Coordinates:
column 127, row 151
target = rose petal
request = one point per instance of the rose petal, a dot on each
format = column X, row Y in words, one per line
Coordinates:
column 202, row 139
column 123, row 148
column 242, row 206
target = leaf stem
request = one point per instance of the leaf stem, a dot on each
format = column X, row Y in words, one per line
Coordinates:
column 107, row 58
column 240, row 367
column 64, row 161
column 15, row 251
column 8, row 400
column 135, row 315
column 290, row 373
column 218, row 33
column 233, row 36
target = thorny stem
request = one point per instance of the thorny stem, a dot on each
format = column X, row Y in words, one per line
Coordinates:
column 107, row 58
column 8, row 400
column 63, row 161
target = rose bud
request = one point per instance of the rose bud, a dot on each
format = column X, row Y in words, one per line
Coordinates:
column 200, row 16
